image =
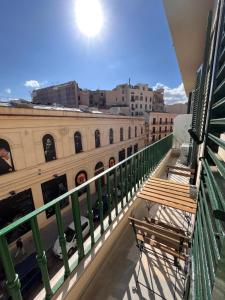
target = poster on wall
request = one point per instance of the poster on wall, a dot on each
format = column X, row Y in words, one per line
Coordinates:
column 49, row 148
column 52, row 189
column 81, row 177
column 14, row 208
column 6, row 163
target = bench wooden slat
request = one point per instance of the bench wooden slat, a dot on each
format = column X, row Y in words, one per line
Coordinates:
column 160, row 229
column 156, row 188
column 169, row 194
column 169, row 182
column 181, row 174
column 165, row 225
column 165, row 187
column 162, row 248
column 157, row 236
column 190, row 203
column 181, row 168
column 167, row 203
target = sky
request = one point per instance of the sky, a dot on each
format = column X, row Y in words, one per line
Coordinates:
column 41, row 45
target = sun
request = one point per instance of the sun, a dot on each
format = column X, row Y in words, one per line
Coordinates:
column 89, row 17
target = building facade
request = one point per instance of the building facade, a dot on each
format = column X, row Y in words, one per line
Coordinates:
column 65, row 94
column 44, row 153
column 160, row 125
column 139, row 98
column 135, row 100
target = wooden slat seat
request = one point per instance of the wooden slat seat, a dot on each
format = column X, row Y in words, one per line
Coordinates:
column 150, row 184
column 169, row 183
column 156, row 188
column 170, row 203
column 164, row 194
column 181, row 171
column 161, row 247
column 165, row 225
column 160, row 237
column 168, row 193
column 161, row 229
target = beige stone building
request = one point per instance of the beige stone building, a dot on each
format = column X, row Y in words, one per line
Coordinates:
column 160, row 125
column 45, row 152
column 138, row 99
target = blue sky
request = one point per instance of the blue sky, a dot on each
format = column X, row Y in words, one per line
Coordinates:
column 41, row 45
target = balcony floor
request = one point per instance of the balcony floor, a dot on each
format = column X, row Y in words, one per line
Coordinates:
column 118, row 277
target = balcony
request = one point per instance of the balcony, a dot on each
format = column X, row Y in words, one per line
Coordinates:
column 122, row 182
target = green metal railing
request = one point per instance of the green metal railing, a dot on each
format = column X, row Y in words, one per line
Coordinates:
column 208, row 264
column 129, row 173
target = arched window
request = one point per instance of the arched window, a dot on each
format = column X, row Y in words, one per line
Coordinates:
column 97, row 139
column 111, row 136
column 99, row 168
column 78, row 142
column 49, row 147
column 129, row 132
column 121, row 134
column 80, row 178
column 135, row 133
column 6, row 162
column 111, row 162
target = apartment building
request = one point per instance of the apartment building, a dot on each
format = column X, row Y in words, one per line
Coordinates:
column 160, row 125
column 139, row 98
column 65, row 94
column 44, row 153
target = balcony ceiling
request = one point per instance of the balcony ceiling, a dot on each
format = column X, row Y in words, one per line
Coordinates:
column 187, row 22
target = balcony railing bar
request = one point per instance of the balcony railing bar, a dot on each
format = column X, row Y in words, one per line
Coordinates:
column 134, row 169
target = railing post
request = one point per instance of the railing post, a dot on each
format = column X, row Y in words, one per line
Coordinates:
column 12, row 279
column 99, row 186
column 121, row 185
column 90, row 214
column 126, row 181
column 77, row 224
column 41, row 257
column 115, row 191
column 135, row 175
column 131, row 178
column 138, row 170
column 109, row 197
column 62, row 239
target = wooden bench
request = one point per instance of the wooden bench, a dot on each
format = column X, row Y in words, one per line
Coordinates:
column 181, row 171
column 161, row 236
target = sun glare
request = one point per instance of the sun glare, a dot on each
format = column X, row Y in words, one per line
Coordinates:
column 89, row 17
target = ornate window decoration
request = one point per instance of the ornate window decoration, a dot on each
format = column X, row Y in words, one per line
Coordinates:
column 49, row 147
column 78, row 142
column 6, row 162
column 97, row 139
column 111, row 136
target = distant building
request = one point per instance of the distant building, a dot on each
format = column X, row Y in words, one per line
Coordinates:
column 177, row 108
column 138, row 98
column 133, row 100
column 65, row 94
column 160, row 125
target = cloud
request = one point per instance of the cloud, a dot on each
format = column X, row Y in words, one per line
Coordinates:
column 8, row 91
column 114, row 65
column 34, row 84
column 173, row 95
